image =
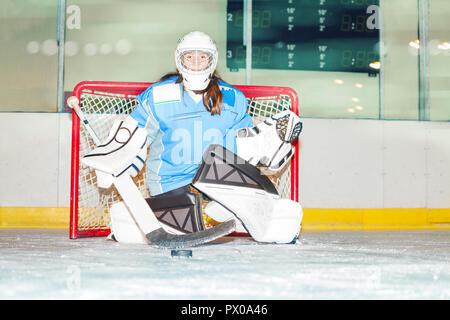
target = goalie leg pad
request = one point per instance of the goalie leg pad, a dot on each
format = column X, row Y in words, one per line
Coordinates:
column 178, row 213
column 150, row 228
column 285, row 224
column 266, row 219
column 123, row 226
column 250, row 196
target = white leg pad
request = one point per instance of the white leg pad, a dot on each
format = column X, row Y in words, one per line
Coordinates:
column 123, row 226
column 250, row 196
column 266, row 217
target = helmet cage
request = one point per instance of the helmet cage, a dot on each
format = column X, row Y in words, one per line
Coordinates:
column 196, row 61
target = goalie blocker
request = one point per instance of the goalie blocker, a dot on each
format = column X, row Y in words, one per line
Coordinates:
column 124, row 152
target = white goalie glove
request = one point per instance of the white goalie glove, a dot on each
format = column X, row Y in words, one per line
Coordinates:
column 124, row 152
column 269, row 144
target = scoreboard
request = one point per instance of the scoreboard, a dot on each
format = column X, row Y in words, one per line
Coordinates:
column 320, row 35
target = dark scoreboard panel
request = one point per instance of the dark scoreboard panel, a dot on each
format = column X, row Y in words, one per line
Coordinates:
column 320, row 35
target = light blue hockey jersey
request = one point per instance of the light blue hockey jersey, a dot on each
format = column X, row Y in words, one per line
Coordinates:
column 180, row 130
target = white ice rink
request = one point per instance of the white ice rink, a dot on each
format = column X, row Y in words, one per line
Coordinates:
column 46, row 264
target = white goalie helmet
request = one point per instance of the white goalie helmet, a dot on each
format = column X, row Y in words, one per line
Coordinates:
column 196, row 59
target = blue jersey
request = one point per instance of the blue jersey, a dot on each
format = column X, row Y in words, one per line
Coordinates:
column 180, row 130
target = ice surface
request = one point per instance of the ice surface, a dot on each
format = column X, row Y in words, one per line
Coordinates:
column 45, row 264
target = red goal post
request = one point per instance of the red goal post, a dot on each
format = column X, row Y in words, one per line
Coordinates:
column 103, row 102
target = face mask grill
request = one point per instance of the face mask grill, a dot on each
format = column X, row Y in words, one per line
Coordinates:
column 195, row 62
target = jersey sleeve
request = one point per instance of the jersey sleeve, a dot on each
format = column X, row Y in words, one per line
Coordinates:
column 144, row 116
column 244, row 120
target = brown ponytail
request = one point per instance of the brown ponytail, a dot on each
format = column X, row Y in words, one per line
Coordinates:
column 212, row 98
column 212, row 95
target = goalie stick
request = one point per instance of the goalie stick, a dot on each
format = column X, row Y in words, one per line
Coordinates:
column 142, row 214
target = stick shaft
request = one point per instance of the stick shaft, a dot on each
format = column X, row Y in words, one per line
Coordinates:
column 73, row 103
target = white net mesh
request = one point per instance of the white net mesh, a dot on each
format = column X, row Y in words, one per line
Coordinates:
column 102, row 108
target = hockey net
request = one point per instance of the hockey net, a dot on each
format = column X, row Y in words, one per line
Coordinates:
column 103, row 103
